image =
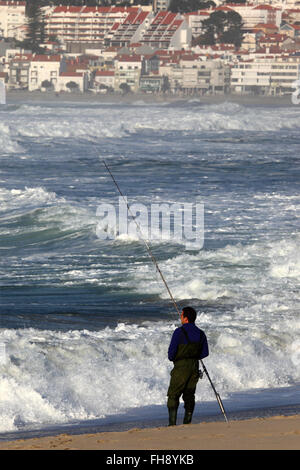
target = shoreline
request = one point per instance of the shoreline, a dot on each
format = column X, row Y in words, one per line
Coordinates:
column 137, row 98
column 273, row 433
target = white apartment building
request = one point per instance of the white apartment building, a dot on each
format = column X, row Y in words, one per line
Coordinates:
column 197, row 76
column 44, row 67
column 104, row 78
column 86, row 24
column 12, row 19
column 195, row 20
column 131, row 29
column 78, row 79
column 168, row 31
column 128, row 70
column 254, row 15
column 161, row 5
column 270, row 76
column 277, row 3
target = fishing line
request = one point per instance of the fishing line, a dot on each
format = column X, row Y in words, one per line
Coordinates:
column 165, row 283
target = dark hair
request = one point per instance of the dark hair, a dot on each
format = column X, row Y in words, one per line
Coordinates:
column 190, row 314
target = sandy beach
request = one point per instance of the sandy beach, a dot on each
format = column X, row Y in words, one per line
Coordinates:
column 132, row 98
column 275, row 433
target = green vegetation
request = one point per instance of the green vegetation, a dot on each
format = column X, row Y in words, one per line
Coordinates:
column 186, row 6
column 72, row 86
column 36, row 25
column 223, row 28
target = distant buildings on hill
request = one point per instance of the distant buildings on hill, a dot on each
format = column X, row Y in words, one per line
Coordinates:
column 117, row 49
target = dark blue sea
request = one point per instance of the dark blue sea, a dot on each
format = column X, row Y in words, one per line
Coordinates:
column 85, row 322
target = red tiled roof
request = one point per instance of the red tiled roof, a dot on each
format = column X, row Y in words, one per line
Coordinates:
column 266, row 25
column 46, row 58
column 141, row 17
column 223, row 8
column 129, row 58
column 105, row 73
column 67, row 9
column 264, row 7
column 71, row 74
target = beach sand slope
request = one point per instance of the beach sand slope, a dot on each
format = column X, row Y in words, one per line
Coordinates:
column 276, row 433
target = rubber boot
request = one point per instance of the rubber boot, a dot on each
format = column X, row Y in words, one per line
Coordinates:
column 187, row 417
column 172, row 416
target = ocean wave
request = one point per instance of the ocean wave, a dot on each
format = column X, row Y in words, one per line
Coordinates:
column 11, row 199
column 35, row 217
column 49, row 377
column 104, row 122
column 8, row 144
column 285, row 262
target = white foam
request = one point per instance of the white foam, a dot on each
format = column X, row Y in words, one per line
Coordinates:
column 7, row 143
column 105, row 122
column 18, row 198
column 286, row 259
column 58, row 377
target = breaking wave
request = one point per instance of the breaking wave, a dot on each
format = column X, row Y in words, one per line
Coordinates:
column 50, row 377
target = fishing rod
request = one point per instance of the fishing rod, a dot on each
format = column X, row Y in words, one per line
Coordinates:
column 165, row 283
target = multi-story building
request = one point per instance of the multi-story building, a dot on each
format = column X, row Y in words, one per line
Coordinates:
column 168, row 31
column 71, row 81
column 45, row 67
column 85, row 24
column 253, row 15
column 118, row 26
column 105, row 79
column 12, row 19
column 195, row 20
column 161, row 5
column 270, row 76
column 131, row 29
column 19, row 70
column 128, row 71
column 292, row 15
column 191, row 76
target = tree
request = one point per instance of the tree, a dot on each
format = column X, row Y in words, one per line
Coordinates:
column 72, row 86
column 186, row 6
column 165, row 84
column 47, row 84
column 125, row 88
column 233, row 32
column 36, row 25
column 221, row 27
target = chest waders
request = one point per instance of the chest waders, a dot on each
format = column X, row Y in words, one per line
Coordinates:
column 184, row 379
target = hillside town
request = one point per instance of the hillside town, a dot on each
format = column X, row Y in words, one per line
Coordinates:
column 150, row 49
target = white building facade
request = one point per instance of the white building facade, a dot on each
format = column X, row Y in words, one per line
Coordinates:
column 45, row 67
column 267, row 76
column 12, row 19
column 128, row 71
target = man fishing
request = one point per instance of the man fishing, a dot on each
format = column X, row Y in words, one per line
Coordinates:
column 188, row 345
column 184, row 353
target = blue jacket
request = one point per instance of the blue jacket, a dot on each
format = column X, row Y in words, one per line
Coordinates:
column 195, row 335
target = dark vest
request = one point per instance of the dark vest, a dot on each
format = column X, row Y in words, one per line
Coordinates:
column 190, row 350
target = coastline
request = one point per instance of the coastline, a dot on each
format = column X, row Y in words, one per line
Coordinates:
column 273, row 433
column 137, row 98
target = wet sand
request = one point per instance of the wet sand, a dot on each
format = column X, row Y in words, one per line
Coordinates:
column 275, row 433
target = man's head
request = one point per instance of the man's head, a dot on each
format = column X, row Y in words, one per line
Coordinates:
column 188, row 315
